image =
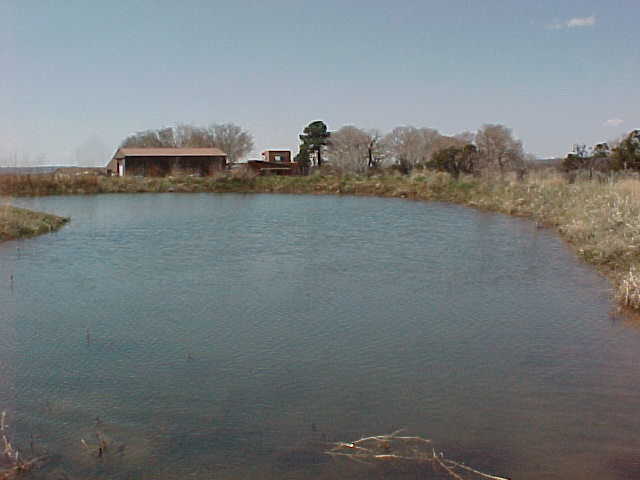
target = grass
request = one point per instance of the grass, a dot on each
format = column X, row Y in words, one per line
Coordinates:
column 19, row 223
column 600, row 218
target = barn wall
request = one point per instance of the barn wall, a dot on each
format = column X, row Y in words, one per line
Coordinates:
column 173, row 166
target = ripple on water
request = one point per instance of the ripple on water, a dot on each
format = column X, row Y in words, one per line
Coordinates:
column 222, row 327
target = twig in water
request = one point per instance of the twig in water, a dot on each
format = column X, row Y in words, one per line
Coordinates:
column 11, row 460
column 407, row 449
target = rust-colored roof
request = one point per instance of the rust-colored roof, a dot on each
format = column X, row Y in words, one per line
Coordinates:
column 169, row 152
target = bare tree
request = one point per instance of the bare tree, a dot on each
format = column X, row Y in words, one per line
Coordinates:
column 465, row 137
column 167, row 137
column 229, row 138
column 443, row 141
column 406, row 145
column 498, row 148
column 356, row 150
column 170, row 137
column 350, row 149
column 430, row 144
column 376, row 149
column 192, row 136
column 232, row 140
column 412, row 147
column 144, row 139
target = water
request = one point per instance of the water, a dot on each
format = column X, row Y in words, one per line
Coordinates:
column 229, row 336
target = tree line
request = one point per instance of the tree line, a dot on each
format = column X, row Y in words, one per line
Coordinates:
column 230, row 138
column 618, row 155
column 352, row 149
column 356, row 150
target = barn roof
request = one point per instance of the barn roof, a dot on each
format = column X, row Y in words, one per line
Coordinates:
column 168, row 152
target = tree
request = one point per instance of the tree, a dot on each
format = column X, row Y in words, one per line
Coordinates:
column 376, row 150
column 626, row 155
column 193, row 136
column 444, row 141
column 413, row 147
column 303, row 158
column 455, row 160
column 314, row 138
column 350, row 149
column 598, row 159
column 144, row 139
column 498, row 148
column 229, row 138
column 405, row 145
column 232, row 140
column 466, row 137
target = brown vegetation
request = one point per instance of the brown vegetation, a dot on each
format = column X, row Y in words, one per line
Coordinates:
column 18, row 223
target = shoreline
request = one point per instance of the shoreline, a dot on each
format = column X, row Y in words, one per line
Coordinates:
column 599, row 219
column 17, row 223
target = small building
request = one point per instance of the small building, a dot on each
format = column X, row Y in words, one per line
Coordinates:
column 277, row 156
column 275, row 162
column 164, row 162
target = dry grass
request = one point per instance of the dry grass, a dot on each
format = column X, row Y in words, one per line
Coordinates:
column 600, row 217
column 19, row 223
column 48, row 184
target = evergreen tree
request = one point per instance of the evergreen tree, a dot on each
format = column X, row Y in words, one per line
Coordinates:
column 303, row 159
column 314, row 137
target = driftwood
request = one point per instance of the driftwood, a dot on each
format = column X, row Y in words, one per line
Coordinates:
column 396, row 449
column 12, row 464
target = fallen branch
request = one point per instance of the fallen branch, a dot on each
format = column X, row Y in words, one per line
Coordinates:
column 379, row 449
column 23, row 467
column 10, row 458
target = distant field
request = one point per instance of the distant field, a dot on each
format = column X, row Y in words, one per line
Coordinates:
column 27, row 170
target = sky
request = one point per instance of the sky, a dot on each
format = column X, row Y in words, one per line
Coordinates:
column 77, row 77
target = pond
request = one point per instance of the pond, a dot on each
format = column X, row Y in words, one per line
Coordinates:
column 236, row 336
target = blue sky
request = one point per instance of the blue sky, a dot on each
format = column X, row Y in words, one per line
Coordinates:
column 78, row 76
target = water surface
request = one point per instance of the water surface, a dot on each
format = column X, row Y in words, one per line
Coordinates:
column 214, row 335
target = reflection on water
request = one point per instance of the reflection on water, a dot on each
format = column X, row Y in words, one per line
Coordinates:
column 234, row 336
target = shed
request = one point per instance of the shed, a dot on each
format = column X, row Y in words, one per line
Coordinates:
column 275, row 162
column 162, row 162
column 277, row 156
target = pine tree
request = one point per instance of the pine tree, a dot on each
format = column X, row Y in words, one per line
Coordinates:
column 314, row 137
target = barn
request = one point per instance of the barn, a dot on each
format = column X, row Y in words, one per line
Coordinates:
column 164, row 162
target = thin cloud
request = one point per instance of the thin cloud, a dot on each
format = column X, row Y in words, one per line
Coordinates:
column 581, row 22
column 575, row 22
column 613, row 122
